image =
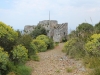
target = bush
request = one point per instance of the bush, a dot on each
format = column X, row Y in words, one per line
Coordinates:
column 93, row 45
column 25, row 40
column 74, row 48
column 33, row 49
column 7, row 37
column 40, row 45
column 91, row 61
column 34, row 57
column 96, row 71
column 20, row 54
column 39, row 30
column 23, row 70
column 47, row 40
column 4, row 58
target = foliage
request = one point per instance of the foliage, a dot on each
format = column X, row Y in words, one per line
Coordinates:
column 19, row 33
column 64, row 39
column 84, row 27
column 11, row 73
column 4, row 58
column 33, row 52
column 33, row 49
column 39, row 30
column 91, row 61
column 69, row 44
column 93, row 45
column 97, row 28
column 74, row 48
column 47, row 40
column 25, row 40
column 84, row 31
column 20, row 54
column 96, row 71
column 73, row 34
column 40, row 45
column 34, row 57
column 7, row 37
column 23, row 70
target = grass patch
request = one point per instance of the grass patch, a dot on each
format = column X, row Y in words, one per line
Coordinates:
column 34, row 57
column 70, row 69
column 56, row 43
column 57, row 71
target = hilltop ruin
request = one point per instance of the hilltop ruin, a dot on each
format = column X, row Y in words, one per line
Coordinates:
column 54, row 30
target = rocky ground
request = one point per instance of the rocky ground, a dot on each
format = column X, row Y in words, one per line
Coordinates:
column 54, row 62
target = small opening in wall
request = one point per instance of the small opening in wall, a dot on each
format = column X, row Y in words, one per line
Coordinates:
column 64, row 33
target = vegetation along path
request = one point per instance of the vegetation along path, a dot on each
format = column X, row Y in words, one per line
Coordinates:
column 54, row 62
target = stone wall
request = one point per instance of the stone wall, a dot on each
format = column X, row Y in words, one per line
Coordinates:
column 54, row 30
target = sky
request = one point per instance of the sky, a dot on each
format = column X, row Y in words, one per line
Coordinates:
column 18, row 13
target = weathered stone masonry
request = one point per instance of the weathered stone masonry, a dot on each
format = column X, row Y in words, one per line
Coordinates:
column 54, row 30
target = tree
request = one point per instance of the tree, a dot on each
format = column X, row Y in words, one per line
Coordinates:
column 84, row 31
column 20, row 54
column 7, row 37
column 39, row 30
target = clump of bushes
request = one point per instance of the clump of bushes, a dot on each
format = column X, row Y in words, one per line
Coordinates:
column 74, row 48
column 16, row 48
column 84, row 43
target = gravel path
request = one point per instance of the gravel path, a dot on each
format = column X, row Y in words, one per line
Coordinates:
column 54, row 62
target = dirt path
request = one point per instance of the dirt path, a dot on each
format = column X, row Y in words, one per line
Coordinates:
column 54, row 62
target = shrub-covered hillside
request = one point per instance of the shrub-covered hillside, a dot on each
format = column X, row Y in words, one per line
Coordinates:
column 84, row 43
column 17, row 48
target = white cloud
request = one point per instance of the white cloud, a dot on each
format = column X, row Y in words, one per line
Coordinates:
column 31, row 11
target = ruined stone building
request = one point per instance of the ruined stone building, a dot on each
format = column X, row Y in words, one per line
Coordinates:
column 54, row 30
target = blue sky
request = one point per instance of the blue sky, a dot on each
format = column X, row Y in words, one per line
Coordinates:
column 18, row 13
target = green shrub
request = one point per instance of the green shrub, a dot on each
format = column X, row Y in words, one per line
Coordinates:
column 64, row 39
column 34, row 57
column 33, row 49
column 40, row 45
column 96, row 71
column 23, row 70
column 24, row 40
column 7, row 37
column 74, row 48
column 4, row 58
column 93, row 45
column 91, row 61
column 39, row 30
column 20, row 54
column 47, row 40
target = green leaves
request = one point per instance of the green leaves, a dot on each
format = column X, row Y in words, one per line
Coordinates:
column 7, row 31
column 39, row 30
column 93, row 45
column 40, row 45
column 7, row 37
column 20, row 53
column 4, row 58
